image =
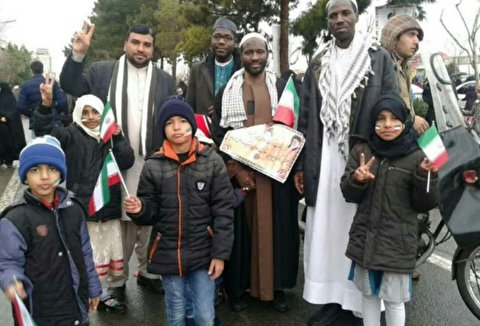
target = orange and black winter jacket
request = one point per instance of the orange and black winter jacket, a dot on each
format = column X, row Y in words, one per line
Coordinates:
column 190, row 206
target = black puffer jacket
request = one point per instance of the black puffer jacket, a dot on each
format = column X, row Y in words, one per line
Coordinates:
column 85, row 157
column 190, row 206
column 383, row 235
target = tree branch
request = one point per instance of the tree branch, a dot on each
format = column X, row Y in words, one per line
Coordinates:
column 451, row 35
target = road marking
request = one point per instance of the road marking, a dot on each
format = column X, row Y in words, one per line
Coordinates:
column 440, row 262
column 10, row 191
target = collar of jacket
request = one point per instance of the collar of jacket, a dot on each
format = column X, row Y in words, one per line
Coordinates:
column 63, row 196
column 210, row 62
column 166, row 151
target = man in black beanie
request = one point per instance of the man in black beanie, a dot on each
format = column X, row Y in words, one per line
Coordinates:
column 210, row 74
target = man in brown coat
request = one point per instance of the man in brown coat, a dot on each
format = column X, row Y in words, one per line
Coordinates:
column 210, row 74
column 401, row 37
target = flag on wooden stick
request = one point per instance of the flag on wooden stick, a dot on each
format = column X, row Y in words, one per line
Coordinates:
column 288, row 106
column 107, row 123
column 22, row 315
column 432, row 145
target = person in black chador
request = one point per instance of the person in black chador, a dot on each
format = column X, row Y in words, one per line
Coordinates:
column 11, row 131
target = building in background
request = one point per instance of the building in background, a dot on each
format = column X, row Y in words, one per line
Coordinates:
column 44, row 57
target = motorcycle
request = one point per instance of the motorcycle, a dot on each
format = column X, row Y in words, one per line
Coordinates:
column 459, row 186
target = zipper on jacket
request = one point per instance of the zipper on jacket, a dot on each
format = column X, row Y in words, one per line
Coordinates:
column 400, row 169
column 154, row 247
column 179, row 241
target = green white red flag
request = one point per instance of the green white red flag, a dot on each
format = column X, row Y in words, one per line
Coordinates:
column 21, row 313
column 432, row 145
column 107, row 123
column 109, row 176
column 288, row 106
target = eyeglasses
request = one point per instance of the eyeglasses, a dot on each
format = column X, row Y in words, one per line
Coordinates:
column 226, row 37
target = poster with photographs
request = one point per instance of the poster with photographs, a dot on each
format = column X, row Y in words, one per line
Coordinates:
column 271, row 150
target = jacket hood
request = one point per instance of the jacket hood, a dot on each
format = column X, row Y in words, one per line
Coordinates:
column 397, row 25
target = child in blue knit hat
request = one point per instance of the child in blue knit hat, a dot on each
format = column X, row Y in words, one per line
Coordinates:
column 185, row 194
column 45, row 252
column 85, row 155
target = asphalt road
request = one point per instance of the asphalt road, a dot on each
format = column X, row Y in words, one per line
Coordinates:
column 436, row 300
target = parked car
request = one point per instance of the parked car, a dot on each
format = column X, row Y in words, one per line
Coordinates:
column 463, row 90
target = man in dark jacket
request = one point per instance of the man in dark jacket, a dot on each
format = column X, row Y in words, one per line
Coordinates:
column 29, row 97
column 340, row 87
column 136, row 104
column 266, row 246
column 210, row 74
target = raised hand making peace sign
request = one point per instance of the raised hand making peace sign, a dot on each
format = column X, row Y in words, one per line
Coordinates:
column 46, row 90
column 362, row 173
column 81, row 39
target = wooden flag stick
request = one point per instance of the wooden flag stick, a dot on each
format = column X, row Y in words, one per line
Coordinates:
column 428, row 182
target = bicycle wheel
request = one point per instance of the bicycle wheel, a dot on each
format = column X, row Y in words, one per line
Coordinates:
column 468, row 278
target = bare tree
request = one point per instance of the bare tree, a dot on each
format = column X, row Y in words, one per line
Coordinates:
column 471, row 50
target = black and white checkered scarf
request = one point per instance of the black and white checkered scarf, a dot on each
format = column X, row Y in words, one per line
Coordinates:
column 233, row 110
column 337, row 91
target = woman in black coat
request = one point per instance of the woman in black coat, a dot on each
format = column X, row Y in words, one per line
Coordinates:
column 11, row 130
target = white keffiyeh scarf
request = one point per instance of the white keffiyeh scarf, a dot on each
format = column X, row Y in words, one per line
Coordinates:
column 118, row 98
column 233, row 110
column 337, row 89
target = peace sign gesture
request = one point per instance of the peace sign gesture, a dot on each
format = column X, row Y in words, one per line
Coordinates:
column 46, row 90
column 362, row 173
column 81, row 39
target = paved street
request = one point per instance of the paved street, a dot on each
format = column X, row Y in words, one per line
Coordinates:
column 436, row 300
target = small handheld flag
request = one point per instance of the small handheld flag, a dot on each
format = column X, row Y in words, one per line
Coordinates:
column 432, row 145
column 109, row 176
column 22, row 315
column 107, row 123
column 288, row 106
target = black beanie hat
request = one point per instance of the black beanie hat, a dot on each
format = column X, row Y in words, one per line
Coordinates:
column 176, row 106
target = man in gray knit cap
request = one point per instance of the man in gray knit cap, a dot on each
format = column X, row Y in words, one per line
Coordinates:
column 401, row 37
column 210, row 74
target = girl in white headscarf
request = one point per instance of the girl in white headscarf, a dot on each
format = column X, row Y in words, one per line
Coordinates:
column 85, row 154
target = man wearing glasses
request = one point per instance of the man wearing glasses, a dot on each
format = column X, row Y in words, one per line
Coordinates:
column 210, row 74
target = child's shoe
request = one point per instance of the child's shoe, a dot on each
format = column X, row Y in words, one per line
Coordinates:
column 110, row 304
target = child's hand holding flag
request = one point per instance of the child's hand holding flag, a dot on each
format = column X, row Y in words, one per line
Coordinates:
column 437, row 155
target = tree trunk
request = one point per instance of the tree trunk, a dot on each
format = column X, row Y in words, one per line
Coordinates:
column 174, row 69
column 284, row 54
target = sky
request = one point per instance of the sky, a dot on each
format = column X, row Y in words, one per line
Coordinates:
column 51, row 23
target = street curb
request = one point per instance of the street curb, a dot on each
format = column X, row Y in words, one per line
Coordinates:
column 11, row 190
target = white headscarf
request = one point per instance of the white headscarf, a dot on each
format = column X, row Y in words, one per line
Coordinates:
column 95, row 103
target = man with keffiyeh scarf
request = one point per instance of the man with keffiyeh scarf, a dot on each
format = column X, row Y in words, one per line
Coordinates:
column 265, row 252
column 341, row 85
column 136, row 90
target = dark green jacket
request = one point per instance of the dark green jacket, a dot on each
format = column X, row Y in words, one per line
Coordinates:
column 383, row 235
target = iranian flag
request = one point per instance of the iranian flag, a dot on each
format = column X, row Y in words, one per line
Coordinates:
column 109, row 176
column 107, row 123
column 21, row 313
column 288, row 106
column 432, row 145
